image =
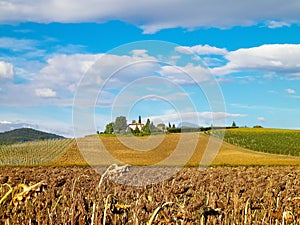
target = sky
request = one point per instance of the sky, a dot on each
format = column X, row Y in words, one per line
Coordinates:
column 71, row 67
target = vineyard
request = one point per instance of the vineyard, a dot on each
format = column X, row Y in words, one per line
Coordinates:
column 275, row 141
column 33, row 153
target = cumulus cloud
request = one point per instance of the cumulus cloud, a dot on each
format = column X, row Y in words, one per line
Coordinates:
column 152, row 15
column 62, row 74
column 277, row 24
column 65, row 71
column 201, row 50
column 261, row 119
column 6, row 70
column 45, row 93
column 54, row 83
column 290, row 91
column 277, row 58
column 189, row 74
column 270, row 59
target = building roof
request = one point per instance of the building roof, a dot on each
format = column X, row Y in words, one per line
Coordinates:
column 136, row 124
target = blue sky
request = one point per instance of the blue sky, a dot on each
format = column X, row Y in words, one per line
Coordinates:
column 205, row 63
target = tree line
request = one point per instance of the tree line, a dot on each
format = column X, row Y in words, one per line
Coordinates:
column 120, row 126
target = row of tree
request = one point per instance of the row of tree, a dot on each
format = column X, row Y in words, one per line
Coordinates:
column 120, row 126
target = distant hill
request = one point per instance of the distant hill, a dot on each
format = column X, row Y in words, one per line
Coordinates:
column 26, row 134
column 187, row 124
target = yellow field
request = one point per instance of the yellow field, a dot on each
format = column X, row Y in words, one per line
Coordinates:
column 117, row 152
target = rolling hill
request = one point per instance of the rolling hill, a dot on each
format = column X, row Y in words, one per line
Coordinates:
column 26, row 134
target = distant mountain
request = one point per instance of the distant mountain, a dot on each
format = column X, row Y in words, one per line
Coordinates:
column 26, row 134
column 187, row 124
column 8, row 125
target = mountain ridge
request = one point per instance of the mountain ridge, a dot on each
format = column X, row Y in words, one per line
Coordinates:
column 26, row 134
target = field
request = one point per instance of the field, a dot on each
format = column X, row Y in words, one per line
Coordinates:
column 228, row 154
column 33, row 153
column 276, row 141
column 58, row 186
column 217, row 195
column 283, row 144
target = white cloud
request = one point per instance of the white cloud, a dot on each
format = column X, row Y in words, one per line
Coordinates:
column 277, row 24
column 59, row 77
column 139, row 53
column 6, row 70
column 46, row 125
column 153, row 15
column 63, row 73
column 5, row 122
column 213, row 62
column 218, row 118
column 270, row 59
column 189, row 74
column 201, row 50
column 17, row 44
column 290, row 91
column 276, row 58
column 45, row 93
column 261, row 119
column 11, row 125
column 66, row 70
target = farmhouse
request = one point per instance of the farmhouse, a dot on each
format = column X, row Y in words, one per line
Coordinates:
column 135, row 125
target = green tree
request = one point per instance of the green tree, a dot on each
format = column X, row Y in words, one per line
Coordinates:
column 120, row 125
column 161, row 125
column 152, row 127
column 136, row 131
column 146, row 128
column 233, row 124
column 140, row 119
column 109, row 129
column 42, row 138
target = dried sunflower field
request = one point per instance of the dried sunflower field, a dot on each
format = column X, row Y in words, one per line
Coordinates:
column 216, row 195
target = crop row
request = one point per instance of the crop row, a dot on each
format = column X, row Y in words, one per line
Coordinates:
column 286, row 142
column 33, row 153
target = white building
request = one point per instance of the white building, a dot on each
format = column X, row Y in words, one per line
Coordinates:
column 133, row 126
